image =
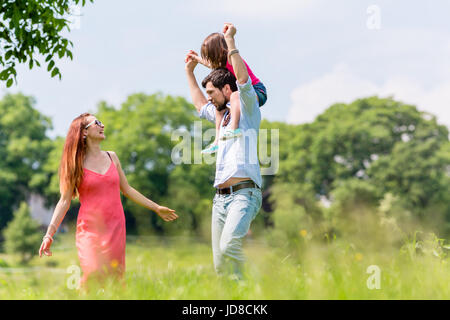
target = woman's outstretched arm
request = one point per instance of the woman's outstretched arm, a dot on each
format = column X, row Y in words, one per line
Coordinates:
column 128, row 191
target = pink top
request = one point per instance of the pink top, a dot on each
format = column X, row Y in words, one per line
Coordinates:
column 252, row 76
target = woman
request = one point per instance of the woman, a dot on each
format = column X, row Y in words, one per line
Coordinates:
column 96, row 177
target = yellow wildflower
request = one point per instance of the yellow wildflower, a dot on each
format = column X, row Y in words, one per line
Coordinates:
column 114, row 263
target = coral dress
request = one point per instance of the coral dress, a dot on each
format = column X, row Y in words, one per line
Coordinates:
column 100, row 235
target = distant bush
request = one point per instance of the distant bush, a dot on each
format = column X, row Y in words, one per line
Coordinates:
column 3, row 264
column 295, row 217
column 22, row 235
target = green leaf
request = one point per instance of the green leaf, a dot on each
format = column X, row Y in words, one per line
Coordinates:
column 55, row 72
column 4, row 75
column 9, row 83
column 51, row 65
column 61, row 53
column 8, row 55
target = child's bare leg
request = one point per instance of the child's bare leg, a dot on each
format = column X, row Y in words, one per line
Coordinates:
column 213, row 147
column 219, row 117
column 235, row 105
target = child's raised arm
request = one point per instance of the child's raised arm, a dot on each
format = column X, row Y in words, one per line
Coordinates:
column 235, row 59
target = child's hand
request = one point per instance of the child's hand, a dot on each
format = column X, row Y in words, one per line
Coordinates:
column 229, row 30
column 166, row 214
column 191, row 63
column 194, row 55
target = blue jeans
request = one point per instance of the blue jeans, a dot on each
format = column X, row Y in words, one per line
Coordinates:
column 231, row 218
column 261, row 92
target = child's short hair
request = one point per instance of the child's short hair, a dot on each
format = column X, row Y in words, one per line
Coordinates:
column 215, row 50
column 219, row 78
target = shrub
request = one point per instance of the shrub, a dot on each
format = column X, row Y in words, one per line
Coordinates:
column 22, row 235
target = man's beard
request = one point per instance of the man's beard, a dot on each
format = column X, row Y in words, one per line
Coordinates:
column 223, row 105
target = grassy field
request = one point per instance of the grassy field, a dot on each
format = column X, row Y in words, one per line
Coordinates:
column 180, row 268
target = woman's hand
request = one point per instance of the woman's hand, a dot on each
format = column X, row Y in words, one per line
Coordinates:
column 45, row 247
column 166, row 214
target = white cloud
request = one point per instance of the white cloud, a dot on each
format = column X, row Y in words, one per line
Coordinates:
column 343, row 85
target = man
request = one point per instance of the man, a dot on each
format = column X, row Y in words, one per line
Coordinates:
column 238, row 178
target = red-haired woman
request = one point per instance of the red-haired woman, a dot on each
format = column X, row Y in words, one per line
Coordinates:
column 96, row 177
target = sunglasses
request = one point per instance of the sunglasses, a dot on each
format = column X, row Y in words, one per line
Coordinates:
column 97, row 122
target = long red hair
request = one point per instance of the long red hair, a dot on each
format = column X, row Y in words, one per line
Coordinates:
column 71, row 167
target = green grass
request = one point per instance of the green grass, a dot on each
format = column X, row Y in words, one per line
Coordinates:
column 180, row 268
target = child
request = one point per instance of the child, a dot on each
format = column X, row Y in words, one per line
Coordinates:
column 214, row 54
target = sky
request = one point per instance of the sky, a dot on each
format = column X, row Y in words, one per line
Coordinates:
column 308, row 53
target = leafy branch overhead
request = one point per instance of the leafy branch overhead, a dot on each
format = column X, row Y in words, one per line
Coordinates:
column 33, row 28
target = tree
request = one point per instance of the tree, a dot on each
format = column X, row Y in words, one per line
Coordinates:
column 296, row 216
column 347, row 139
column 29, row 28
column 24, row 149
column 190, row 192
column 417, row 171
column 22, row 235
column 354, row 154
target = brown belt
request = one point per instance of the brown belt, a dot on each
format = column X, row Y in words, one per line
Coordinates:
column 236, row 187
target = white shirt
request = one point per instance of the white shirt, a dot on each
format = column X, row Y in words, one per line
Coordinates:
column 238, row 157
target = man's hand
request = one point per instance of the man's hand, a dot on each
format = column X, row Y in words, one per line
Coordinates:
column 190, row 61
column 229, row 30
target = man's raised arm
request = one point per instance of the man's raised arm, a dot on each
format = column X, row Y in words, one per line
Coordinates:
column 236, row 61
column 198, row 98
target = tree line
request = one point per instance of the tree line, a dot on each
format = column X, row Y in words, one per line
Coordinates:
column 370, row 156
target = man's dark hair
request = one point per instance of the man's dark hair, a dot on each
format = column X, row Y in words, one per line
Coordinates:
column 219, row 78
